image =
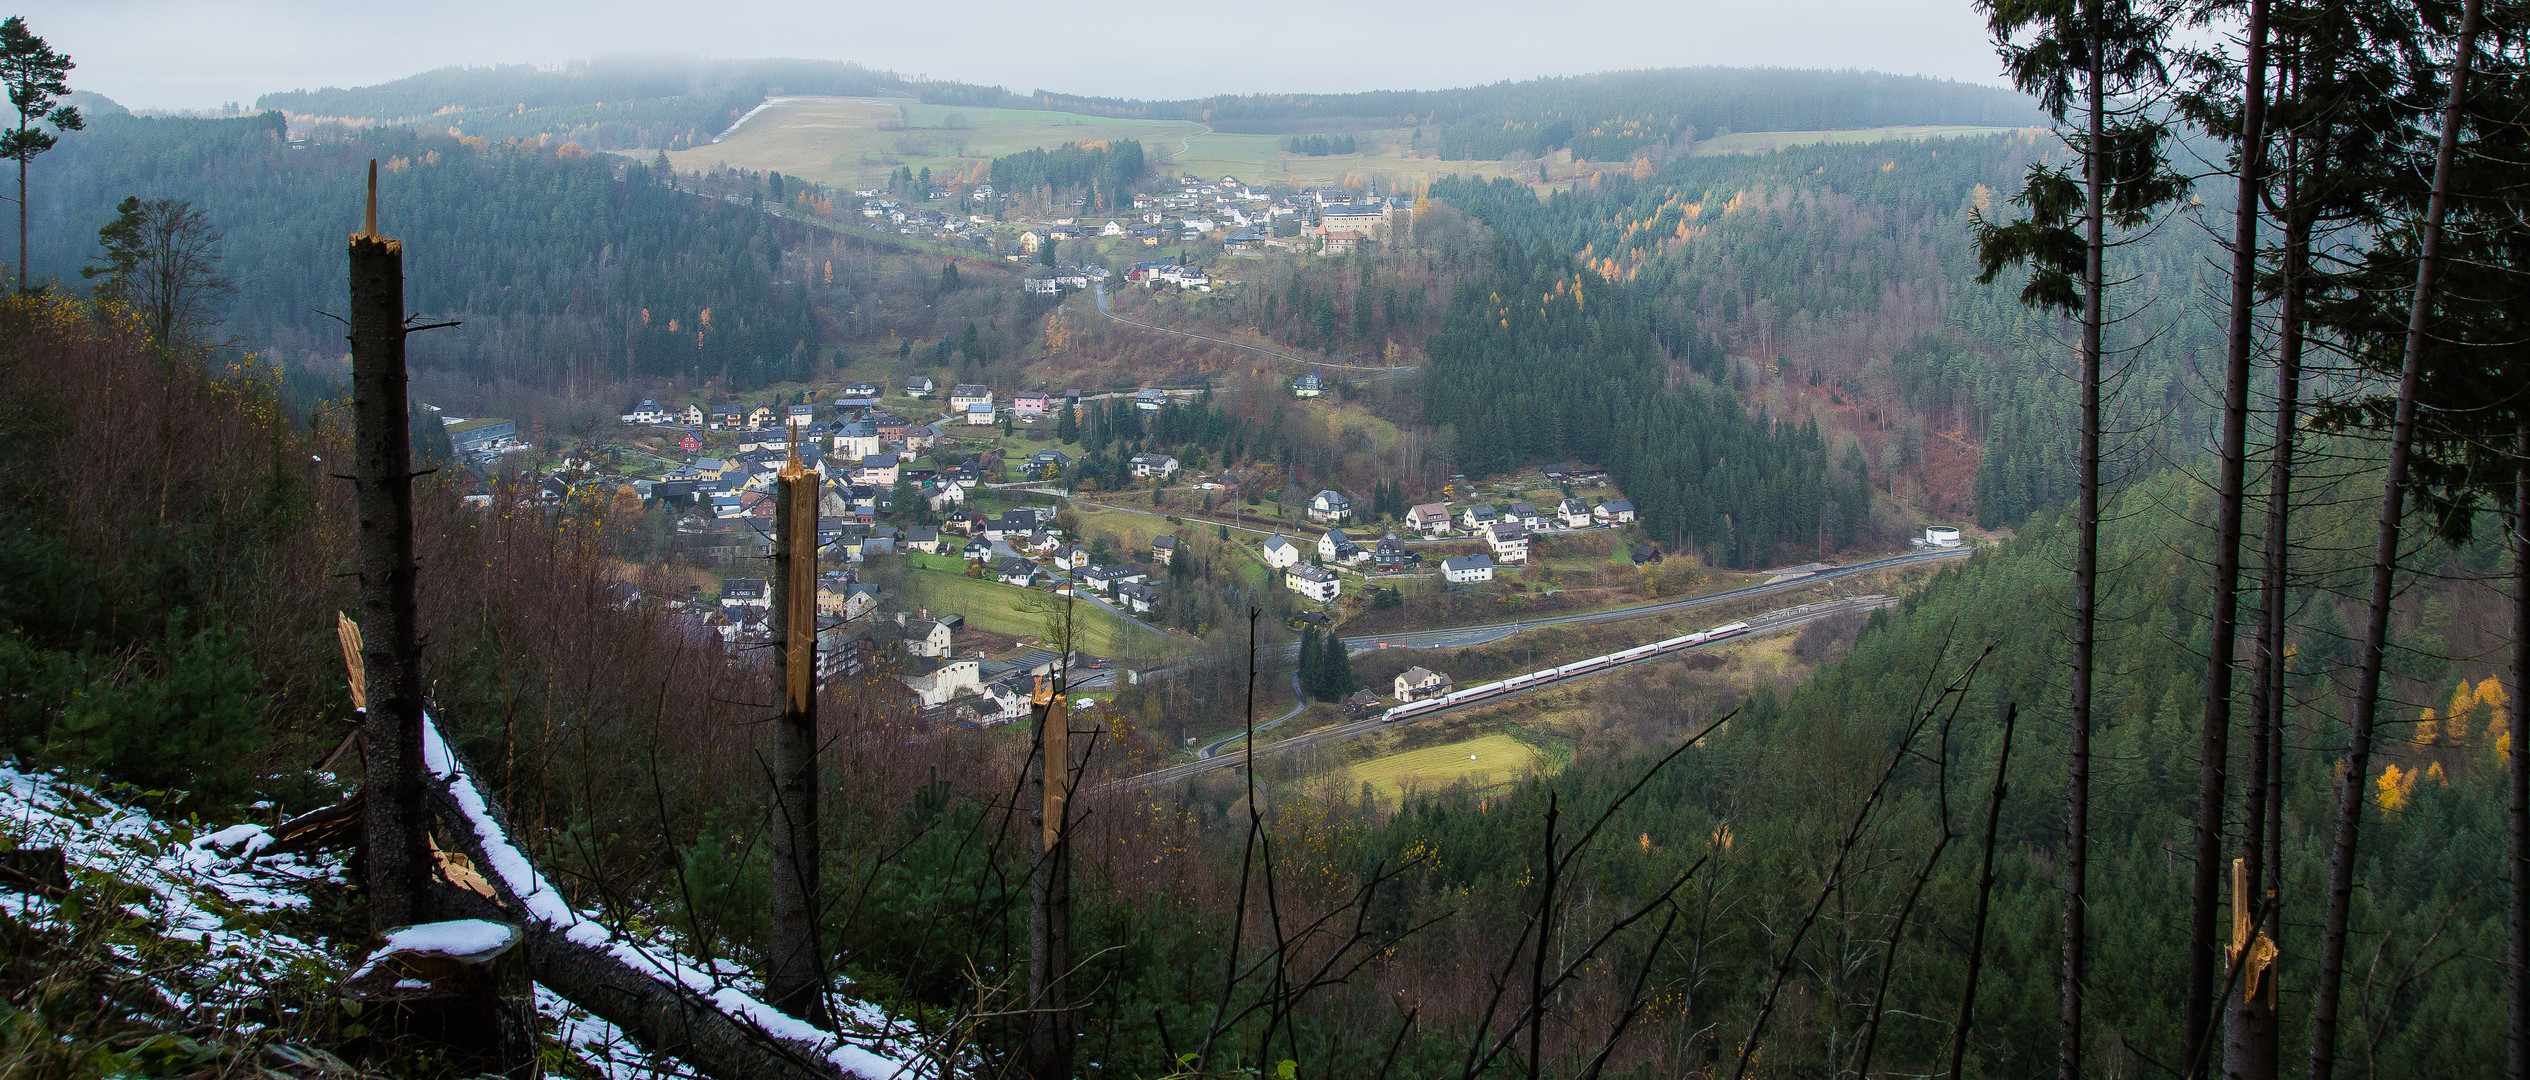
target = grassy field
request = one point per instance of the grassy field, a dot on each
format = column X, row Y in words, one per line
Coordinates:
column 1487, row 761
column 856, row 142
column 1759, row 142
column 1008, row 609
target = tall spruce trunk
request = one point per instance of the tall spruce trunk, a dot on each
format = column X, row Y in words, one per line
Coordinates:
column 2517, row 945
column 2367, row 692
column 395, row 826
column 2251, row 1047
column 2206, row 954
column 2086, row 561
column 794, row 976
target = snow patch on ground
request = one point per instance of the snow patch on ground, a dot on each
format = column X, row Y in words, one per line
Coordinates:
column 216, row 892
column 187, row 891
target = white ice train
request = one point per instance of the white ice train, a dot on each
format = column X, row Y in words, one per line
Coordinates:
column 1456, row 698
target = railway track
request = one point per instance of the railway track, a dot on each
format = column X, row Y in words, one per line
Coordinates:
column 1770, row 622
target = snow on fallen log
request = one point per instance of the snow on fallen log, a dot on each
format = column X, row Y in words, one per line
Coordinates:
column 662, row 1001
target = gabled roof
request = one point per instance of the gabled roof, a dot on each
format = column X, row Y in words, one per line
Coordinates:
column 1468, row 562
column 1276, row 541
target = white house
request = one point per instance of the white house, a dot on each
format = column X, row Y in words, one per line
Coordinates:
column 1613, row 512
column 1280, row 553
column 979, row 414
column 1430, row 519
column 693, row 416
column 1163, row 549
column 1335, row 547
column 1477, row 516
column 1509, row 541
column 930, row 638
column 941, row 685
column 1419, row 682
column 967, row 394
column 1467, row 568
column 1574, row 512
column 1150, row 400
column 1018, row 572
column 1139, row 596
column 1149, row 465
column 921, row 386
column 876, row 469
column 1525, row 512
column 800, row 416
column 1315, row 582
column 746, row 592
column 1330, row 506
column 648, row 412
column 1309, row 384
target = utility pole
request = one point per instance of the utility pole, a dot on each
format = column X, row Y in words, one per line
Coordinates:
column 394, row 822
column 794, row 976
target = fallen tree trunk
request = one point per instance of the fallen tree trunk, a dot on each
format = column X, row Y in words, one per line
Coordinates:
column 665, row 1005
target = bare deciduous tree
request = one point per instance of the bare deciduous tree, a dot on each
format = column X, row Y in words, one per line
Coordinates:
column 162, row 263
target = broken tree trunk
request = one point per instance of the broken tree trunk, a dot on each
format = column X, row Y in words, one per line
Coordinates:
column 2205, row 955
column 1050, row 1034
column 647, row 996
column 393, row 825
column 794, row 968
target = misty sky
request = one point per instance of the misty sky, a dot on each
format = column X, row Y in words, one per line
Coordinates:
column 200, row 53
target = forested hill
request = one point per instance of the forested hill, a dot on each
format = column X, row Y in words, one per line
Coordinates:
column 608, row 103
column 627, row 102
column 1765, row 800
column 564, row 265
column 1602, row 117
column 1840, row 280
column 1538, row 361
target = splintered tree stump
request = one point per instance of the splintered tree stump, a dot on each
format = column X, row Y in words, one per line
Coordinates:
column 445, row 999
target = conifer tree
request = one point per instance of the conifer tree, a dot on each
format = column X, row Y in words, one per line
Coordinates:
column 35, row 76
column 2092, row 64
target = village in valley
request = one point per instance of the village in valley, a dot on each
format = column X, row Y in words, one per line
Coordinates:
column 931, row 482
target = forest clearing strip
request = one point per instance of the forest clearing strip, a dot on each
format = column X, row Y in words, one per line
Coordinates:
column 1389, row 371
column 1763, row 624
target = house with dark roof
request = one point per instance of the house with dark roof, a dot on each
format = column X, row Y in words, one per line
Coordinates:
column 1420, row 682
column 1392, row 553
column 1509, row 541
column 1315, row 582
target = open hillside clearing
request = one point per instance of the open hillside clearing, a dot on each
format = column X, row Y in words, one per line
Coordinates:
column 1486, row 761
